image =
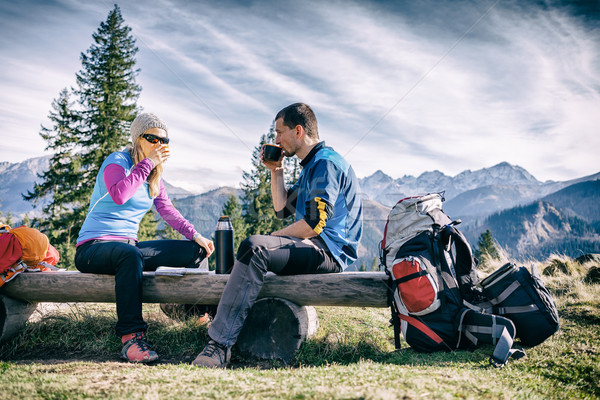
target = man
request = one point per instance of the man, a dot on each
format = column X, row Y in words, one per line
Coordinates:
column 323, row 239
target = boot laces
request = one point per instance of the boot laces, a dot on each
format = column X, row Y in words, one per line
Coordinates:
column 140, row 341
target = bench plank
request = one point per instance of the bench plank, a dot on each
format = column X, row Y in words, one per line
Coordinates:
column 350, row 289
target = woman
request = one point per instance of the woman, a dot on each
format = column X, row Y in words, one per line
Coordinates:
column 127, row 185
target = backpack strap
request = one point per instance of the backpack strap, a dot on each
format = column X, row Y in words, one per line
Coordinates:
column 422, row 327
column 397, row 316
column 504, row 350
column 484, row 328
column 439, row 258
column 466, row 273
column 394, row 321
column 510, row 309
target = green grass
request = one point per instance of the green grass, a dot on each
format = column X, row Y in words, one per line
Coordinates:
column 72, row 353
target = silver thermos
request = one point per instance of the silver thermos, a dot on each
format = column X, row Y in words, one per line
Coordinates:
column 224, row 246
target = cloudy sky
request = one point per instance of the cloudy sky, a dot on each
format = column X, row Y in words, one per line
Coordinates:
column 401, row 86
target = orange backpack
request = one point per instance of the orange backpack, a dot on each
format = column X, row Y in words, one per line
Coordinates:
column 26, row 244
column 34, row 244
column 24, row 249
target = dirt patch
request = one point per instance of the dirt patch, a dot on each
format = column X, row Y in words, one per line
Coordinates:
column 45, row 309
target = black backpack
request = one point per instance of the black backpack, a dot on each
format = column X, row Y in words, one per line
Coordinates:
column 521, row 296
column 433, row 279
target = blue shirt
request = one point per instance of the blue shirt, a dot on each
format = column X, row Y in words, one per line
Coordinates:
column 105, row 217
column 327, row 177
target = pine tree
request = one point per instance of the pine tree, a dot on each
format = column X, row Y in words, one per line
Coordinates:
column 7, row 219
column 257, row 199
column 375, row 264
column 167, row 232
column 148, row 226
column 233, row 209
column 486, row 248
column 81, row 139
column 26, row 221
column 107, row 95
column 60, row 181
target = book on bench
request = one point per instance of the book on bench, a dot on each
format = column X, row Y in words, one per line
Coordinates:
column 180, row 271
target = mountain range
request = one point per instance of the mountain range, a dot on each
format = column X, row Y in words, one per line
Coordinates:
column 527, row 217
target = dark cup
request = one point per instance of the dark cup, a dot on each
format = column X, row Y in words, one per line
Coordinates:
column 271, row 152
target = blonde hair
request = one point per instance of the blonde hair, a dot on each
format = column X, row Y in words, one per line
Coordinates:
column 154, row 178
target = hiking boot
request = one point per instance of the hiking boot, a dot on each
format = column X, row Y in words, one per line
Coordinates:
column 214, row 355
column 136, row 349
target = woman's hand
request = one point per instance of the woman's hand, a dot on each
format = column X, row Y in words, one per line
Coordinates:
column 205, row 243
column 159, row 154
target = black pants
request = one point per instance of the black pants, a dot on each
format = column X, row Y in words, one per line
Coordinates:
column 126, row 262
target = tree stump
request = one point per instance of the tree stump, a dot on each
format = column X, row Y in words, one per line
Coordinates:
column 13, row 315
column 275, row 328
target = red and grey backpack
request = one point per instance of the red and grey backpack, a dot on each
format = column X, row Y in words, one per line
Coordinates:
column 433, row 279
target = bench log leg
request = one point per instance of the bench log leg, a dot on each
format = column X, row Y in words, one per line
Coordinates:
column 13, row 316
column 275, row 328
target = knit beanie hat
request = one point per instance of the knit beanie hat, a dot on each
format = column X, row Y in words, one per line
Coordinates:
column 143, row 122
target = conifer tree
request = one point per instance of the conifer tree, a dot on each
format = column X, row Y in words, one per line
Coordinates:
column 486, row 248
column 7, row 219
column 233, row 209
column 107, row 95
column 167, row 232
column 148, row 226
column 375, row 264
column 60, row 182
column 82, row 138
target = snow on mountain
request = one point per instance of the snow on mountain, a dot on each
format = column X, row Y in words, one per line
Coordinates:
column 386, row 190
column 17, row 179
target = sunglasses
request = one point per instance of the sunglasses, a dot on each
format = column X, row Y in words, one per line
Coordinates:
column 155, row 139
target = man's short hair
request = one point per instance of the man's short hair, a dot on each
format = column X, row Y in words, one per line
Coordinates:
column 300, row 114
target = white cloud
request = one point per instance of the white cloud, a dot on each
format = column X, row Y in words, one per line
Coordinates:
column 522, row 86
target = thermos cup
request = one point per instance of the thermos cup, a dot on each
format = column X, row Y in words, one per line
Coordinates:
column 224, row 245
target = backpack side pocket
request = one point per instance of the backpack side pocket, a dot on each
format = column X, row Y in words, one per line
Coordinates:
column 417, row 290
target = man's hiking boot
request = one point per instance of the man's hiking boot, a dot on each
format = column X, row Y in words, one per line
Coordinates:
column 214, row 355
column 136, row 349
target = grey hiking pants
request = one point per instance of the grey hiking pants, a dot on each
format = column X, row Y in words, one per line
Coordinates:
column 258, row 254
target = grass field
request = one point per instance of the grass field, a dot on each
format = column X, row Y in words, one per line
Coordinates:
column 72, row 353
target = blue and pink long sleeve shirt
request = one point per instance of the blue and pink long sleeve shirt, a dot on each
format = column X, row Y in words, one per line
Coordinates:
column 121, row 198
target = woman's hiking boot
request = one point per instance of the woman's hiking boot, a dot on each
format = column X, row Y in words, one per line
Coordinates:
column 214, row 355
column 136, row 349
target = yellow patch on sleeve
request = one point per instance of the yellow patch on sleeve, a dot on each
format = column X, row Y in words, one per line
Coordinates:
column 322, row 216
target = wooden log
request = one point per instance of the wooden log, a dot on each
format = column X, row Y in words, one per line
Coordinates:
column 13, row 315
column 275, row 328
column 351, row 289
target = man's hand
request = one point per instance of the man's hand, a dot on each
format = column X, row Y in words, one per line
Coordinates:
column 274, row 166
column 278, row 191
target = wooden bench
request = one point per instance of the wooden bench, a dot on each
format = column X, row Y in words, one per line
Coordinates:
column 276, row 326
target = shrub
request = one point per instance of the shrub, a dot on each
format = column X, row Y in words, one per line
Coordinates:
column 559, row 265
